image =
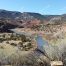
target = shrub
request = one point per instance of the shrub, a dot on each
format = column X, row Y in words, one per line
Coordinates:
column 7, row 42
column 56, row 52
column 13, row 44
column 21, row 59
column 20, row 44
column 23, row 38
column 52, row 52
column 62, row 48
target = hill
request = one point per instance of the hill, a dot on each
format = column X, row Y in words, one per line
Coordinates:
column 13, row 19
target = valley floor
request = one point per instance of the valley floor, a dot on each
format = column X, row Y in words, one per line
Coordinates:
column 20, row 45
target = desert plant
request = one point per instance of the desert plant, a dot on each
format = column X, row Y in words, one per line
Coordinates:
column 7, row 42
column 13, row 44
column 1, row 40
column 31, row 59
column 23, row 38
column 3, row 57
column 11, row 37
column 62, row 48
column 21, row 60
column 20, row 44
column 52, row 52
column 56, row 52
column 4, row 35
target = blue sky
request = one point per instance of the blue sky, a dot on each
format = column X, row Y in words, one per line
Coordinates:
column 39, row 6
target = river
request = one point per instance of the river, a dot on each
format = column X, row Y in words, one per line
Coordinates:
column 41, row 43
column 39, row 40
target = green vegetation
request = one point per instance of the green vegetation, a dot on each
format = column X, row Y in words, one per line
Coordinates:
column 20, row 41
column 18, row 44
column 21, row 59
column 56, row 52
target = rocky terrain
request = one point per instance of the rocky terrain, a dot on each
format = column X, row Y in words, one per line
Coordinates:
column 13, row 19
column 18, row 33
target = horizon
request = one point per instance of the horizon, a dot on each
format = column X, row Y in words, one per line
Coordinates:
column 32, row 12
column 49, row 7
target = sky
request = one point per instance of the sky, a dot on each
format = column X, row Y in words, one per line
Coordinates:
column 53, row 7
